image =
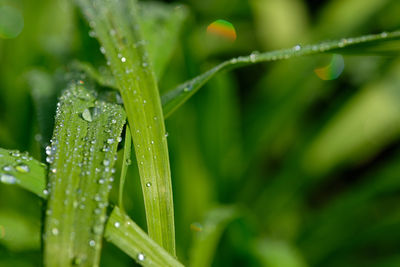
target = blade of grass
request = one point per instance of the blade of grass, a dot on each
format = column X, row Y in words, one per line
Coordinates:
column 208, row 235
column 20, row 168
column 117, row 28
column 161, row 24
column 82, row 155
column 125, row 163
column 125, row 234
column 383, row 42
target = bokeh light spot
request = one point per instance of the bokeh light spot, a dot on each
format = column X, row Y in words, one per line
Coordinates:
column 223, row 29
column 333, row 70
column 11, row 22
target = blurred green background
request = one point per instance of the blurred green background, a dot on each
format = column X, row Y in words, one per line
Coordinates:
column 312, row 166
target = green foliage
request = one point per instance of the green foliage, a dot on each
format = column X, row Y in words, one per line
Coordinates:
column 312, row 164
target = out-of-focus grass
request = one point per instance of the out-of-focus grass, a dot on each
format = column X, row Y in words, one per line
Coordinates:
column 312, row 164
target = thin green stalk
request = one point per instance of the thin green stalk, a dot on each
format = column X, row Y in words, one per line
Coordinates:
column 125, row 163
column 116, row 26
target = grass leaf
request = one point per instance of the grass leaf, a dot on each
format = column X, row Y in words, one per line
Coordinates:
column 128, row 236
column 161, row 24
column 376, row 43
column 116, row 26
column 208, row 234
column 20, row 168
column 82, row 156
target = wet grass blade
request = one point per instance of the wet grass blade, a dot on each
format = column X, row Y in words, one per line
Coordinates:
column 117, row 28
column 128, row 236
column 21, row 169
column 82, row 155
column 208, row 235
column 377, row 43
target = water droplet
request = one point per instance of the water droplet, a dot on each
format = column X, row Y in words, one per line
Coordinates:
column 92, row 34
column 23, row 168
column 102, row 50
column 144, row 64
column 45, row 192
column 49, row 159
column 8, row 179
column 152, row 142
column 123, row 59
column 48, row 150
column 54, row 231
column 253, row 56
column 86, row 115
column 141, row 257
column 384, row 34
column 92, row 243
column 117, row 224
column 106, row 162
column 113, row 121
column 166, row 134
column 53, row 170
column 7, row 168
column 148, row 184
column 297, row 47
column 110, row 141
column 119, row 139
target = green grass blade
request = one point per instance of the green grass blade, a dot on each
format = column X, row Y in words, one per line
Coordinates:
column 128, row 236
column 379, row 43
column 209, row 233
column 104, row 78
column 82, row 155
column 125, row 163
column 21, row 169
column 116, row 26
column 161, row 24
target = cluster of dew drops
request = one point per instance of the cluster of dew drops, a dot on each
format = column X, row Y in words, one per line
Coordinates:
column 21, row 166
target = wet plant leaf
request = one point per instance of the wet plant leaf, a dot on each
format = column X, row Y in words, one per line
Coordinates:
column 81, row 157
column 21, row 169
column 125, row 234
column 376, row 43
column 115, row 24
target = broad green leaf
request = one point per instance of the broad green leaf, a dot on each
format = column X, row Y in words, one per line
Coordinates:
column 208, row 235
column 377, row 43
column 116, row 26
column 82, row 155
column 22, row 169
column 125, row 234
column 161, row 24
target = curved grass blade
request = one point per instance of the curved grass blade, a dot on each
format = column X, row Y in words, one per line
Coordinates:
column 82, row 154
column 129, row 237
column 125, row 163
column 208, row 235
column 116, row 27
column 379, row 43
column 103, row 78
column 20, row 168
